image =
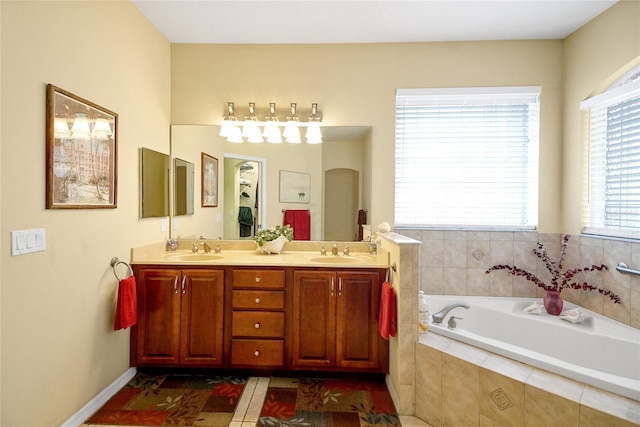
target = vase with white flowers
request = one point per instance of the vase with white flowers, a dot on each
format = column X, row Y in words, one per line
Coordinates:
column 560, row 279
column 271, row 240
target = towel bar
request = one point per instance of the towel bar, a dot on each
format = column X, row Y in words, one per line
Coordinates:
column 116, row 262
column 624, row 268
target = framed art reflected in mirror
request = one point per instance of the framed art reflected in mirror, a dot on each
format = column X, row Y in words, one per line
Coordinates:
column 209, row 181
column 81, row 157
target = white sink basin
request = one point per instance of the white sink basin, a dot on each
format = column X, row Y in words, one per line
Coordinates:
column 194, row 257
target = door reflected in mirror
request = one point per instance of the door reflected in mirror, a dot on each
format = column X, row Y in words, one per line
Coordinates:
column 183, row 179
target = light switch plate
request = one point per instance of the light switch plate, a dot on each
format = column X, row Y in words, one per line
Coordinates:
column 27, row 241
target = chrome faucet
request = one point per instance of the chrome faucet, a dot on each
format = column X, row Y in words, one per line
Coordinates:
column 439, row 316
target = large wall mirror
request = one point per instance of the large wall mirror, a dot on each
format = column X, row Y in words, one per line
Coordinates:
column 154, row 183
column 339, row 182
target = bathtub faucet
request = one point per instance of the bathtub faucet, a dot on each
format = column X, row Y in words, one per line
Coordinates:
column 439, row 316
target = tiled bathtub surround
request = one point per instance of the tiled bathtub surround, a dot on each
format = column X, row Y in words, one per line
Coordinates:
column 460, row 385
column 454, row 263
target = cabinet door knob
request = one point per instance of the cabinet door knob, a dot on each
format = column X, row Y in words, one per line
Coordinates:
column 257, row 325
column 257, row 300
column 257, row 353
column 258, row 279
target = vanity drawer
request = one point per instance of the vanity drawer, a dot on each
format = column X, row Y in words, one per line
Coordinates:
column 257, row 324
column 259, row 279
column 257, row 352
column 258, row 300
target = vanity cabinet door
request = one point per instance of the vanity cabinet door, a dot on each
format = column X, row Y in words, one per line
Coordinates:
column 180, row 317
column 335, row 321
column 202, row 317
column 358, row 305
column 158, row 330
column 314, row 316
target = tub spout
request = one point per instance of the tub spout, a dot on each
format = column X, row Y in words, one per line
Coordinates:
column 439, row 316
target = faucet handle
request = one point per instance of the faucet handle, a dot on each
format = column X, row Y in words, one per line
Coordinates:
column 194, row 248
column 323, row 250
column 452, row 322
column 345, row 251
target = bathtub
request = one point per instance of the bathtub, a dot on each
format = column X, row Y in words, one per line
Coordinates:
column 600, row 351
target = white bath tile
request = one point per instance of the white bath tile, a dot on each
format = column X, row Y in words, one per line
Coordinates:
column 501, row 398
column 524, row 289
column 479, row 254
column 259, row 395
column 435, row 341
column 635, row 307
column 455, row 235
column 525, row 236
column 548, row 237
column 433, row 280
column 501, row 284
column 432, row 235
column 245, row 399
column 523, row 255
column 549, row 410
column 502, row 235
column 235, row 424
column 612, row 404
column 593, row 301
column 455, row 281
column 478, row 282
column 428, row 369
column 478, row 235
column 432, row 253
column 507, row 367
column 620, row 312
column 467, row 353
column 501, row 252
column 455, row 253
column 428, row 406
column 562, row 386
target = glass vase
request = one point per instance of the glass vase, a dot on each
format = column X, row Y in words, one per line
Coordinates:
column 553, row 303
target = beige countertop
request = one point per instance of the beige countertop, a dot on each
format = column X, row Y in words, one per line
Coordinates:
column 304, row 255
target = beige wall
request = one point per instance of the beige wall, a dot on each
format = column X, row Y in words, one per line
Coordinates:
column 595, row 56
column 355, row 85
column 58, row 347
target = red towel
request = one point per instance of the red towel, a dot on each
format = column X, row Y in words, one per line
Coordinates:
column 127, row 304
column 387, row 318
column 300, row 221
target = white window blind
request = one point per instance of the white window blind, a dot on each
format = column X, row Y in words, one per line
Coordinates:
column 612, row 198
column 467, row 157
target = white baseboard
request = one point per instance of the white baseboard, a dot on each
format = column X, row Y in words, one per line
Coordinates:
column 392, row 392
column 97, row 402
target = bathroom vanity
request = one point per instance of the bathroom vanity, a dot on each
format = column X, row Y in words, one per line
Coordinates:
column 240, row 309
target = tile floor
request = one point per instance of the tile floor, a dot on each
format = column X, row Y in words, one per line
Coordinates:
column 250, row 404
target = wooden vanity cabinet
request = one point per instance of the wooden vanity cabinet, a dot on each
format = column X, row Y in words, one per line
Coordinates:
column 180, row 317
column 257, row 318
column 335, row 318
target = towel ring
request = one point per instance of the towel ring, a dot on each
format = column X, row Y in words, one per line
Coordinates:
column 116, row 262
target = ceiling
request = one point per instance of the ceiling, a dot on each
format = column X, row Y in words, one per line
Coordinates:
column 366, row 21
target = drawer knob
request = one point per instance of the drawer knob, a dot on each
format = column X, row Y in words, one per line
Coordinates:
column 258, row 280
column 257, row 325
column 257, row 353
column 257, row 300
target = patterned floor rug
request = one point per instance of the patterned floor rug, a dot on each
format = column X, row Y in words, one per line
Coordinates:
column 327, row 403
column 181, row 400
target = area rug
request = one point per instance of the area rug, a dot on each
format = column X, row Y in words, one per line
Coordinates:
column 180, row 400
column 327, row 403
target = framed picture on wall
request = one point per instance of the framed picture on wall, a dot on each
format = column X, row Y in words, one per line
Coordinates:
column 209, row 181
column 81, row 157
column 295, row 187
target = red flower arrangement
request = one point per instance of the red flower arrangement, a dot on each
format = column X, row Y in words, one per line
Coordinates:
column 559, row 279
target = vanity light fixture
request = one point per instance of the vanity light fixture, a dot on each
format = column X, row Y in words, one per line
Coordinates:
column 234, row 130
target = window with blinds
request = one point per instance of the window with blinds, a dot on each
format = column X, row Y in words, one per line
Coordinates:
column 467, row 157
column 611, row 204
